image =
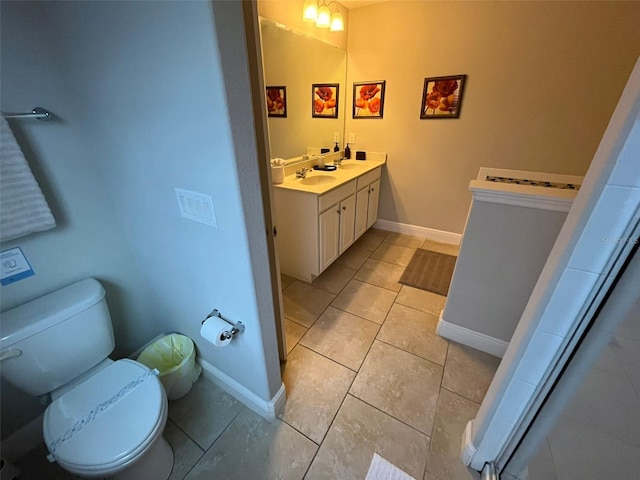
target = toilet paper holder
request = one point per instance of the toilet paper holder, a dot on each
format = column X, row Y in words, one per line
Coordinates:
column 236, row 327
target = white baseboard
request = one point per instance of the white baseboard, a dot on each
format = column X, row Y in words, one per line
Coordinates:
column 23, row 441
column 423, row 232
column 471, row 338
column 467, row 449
column 266, row 409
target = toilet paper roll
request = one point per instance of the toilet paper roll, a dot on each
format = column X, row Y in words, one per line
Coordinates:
column 212, row 331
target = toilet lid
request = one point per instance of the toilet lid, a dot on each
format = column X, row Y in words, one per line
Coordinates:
column 121, row 406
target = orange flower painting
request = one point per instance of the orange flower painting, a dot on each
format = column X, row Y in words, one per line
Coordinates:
column 276, row 101
column 368, row 99
column 325, row 100
column 442, row 96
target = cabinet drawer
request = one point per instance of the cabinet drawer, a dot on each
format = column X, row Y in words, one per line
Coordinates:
column 337, row 195
column 369, row 177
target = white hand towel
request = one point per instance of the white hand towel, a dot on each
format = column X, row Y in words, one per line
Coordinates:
column 23, row 208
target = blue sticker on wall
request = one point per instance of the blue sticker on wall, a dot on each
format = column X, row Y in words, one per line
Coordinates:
column 14, row 266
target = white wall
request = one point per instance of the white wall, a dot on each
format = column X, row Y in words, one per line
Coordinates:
column 543, row 80
column 501, row 256
column 145, row 81
column 88, row 240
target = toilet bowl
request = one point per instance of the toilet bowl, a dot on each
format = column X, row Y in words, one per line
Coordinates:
column 109, row 422
column 107, row 417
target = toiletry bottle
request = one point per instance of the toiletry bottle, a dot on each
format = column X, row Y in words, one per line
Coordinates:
column 336, row 147
column 347, row 152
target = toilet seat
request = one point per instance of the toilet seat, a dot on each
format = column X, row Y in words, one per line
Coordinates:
column 118, row 435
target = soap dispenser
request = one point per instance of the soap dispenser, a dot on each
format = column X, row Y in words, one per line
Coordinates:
column 347, row 152
column 336, row 147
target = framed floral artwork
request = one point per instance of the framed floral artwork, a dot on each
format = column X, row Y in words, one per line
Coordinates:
column 368, row 99
column 324, row 100
column 442, row 97
column 277, row 101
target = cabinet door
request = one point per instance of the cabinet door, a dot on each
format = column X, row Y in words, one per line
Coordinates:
column 362, row 207
column 347, row 222
column 374, row 197
column 329, row 236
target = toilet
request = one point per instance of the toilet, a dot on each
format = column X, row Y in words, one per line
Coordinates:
column 106, row 417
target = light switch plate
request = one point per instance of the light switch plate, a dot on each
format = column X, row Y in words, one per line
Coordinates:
column 352, row 138
column 336, row 137
column 197, row 207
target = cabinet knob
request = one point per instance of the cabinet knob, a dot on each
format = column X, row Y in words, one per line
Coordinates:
column 344, row 208
column 372, row 189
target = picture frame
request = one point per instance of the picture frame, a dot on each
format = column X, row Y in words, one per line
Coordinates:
column 442, row 97
column 276, row 98
column 325, row 100
column 368, row 99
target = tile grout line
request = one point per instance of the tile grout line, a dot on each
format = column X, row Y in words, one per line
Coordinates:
column 433, row 427
column 391, row 416
column 359, row 316
column 300, row 432
column 400, row 348
column 212, row 444
column 460, row 395
column 186, row 434
column 339, row 407
column 328, row 358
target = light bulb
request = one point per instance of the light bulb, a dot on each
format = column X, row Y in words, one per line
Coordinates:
column 337, row 23
column 310, row 11
column 324, row 17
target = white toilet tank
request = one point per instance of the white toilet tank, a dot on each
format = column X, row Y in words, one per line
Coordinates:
column 49, row 341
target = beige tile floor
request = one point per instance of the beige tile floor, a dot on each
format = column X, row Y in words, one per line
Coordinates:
column 366, row 373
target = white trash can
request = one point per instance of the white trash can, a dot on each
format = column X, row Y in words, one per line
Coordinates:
column 174, row 356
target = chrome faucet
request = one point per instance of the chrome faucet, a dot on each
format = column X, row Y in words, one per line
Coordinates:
column 302, row 173
column 338, row 161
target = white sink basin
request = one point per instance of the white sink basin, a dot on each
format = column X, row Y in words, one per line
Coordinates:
column 318, row 180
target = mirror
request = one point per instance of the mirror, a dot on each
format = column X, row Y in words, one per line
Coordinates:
column 296, row 61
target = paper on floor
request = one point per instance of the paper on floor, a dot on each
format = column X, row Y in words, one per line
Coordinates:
column 381, row 469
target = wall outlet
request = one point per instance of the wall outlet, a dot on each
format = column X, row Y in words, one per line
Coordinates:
column 352, row 138
column 336, row 137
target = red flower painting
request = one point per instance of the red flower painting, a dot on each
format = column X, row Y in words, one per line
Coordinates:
column 325, row 100
column 276, row 101
column 368, row 99
column 442, row 96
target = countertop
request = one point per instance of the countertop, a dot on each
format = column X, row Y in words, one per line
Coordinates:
column 349, row 170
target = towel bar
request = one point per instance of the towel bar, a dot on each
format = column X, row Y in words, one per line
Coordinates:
column 38, row 112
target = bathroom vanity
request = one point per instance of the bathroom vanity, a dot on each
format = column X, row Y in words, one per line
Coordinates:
column 320, row 216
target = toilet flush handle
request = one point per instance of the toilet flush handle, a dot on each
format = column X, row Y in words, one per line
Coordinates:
column 11, row 353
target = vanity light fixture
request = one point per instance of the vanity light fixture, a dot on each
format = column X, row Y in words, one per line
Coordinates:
column 337, row 22
column 310, row 10
column 322, row 15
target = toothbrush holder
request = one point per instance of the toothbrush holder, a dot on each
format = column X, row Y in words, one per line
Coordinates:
column 277, row 174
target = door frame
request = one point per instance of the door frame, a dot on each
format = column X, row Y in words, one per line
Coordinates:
column 256, row 73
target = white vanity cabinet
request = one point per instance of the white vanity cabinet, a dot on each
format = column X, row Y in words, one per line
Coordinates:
column 315, row 229
column 337, row 230
column 367, row 199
